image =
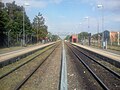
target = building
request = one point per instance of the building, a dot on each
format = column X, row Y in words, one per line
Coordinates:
column 113, row 36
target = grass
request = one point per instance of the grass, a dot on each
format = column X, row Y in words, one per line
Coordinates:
column 5, row 50
column 110, row 66
column 14, row 78
column 9, row 67
column 114, row 47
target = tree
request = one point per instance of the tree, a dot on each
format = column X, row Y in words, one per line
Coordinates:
column 3, row 22
column 55, row 37
column 16, row 18
column 39, row 27
column 83, row 35
column 15, row 23
column 11, row 21
column 67, row 37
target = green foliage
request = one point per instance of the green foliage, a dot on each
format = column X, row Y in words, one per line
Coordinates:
column 4, row 19
column 95, row 36
column 83, row 35
column 11, row 22
column 55, row 37
column 39, row 27
column 16, row 18
column 67, row 37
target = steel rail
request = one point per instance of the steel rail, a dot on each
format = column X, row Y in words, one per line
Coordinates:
column 90, row 70
column 63, row 80
column 60, row 69
column 110, row 70
column 23, row 64
column 32, row 72
column 107, row 59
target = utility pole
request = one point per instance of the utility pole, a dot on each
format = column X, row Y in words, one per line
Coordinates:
column 118, row 38
column 89, row 34
column 37, row 27
column 98, row 33
column 23, row 27
column 9, row 38
column 25, row 4
column 103, row 41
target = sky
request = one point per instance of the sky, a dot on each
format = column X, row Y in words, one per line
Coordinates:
column 69, row 16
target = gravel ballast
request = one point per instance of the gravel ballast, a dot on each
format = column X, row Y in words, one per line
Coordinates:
column 47, row 76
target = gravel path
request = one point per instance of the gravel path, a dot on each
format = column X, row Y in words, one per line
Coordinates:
column 47, row 76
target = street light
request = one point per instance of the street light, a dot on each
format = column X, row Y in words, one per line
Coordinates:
column 89, row 34
column 81, row 32
column 101, row 6
column 25, row 4
column 37, row 28
column 88, row 21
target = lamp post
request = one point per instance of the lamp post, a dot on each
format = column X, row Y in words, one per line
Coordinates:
column 25, row 4
column 118, row 38
column 87, row 18
column 81, row 33
column 101, row 6
column 37, row 28
column 81, row 26
column 89, row 34
column 98, row 36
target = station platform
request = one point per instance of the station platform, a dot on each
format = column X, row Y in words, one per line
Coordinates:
column 7, row 56
column 101, row 52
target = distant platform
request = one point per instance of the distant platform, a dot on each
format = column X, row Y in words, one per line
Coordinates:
column 110, row 55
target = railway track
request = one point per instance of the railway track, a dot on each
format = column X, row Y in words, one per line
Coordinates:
column 106, row 58
column 47, row 76
column 32, row 72
column 107, row 78
column 22, row 64
column 20, row 74
column 107, row 63
column 101, row 62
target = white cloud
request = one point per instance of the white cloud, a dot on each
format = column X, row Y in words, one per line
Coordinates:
column 113, row 5
column 32, row 3
column 56, row 1
column 35, row 3
column 38, row 4
column 109, row 5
